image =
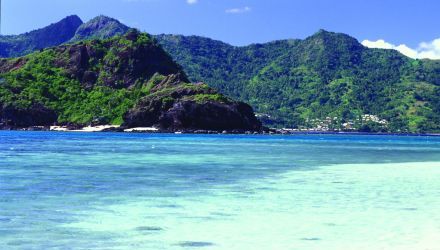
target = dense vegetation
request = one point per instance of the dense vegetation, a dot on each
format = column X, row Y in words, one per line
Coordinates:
column 96, row 81
column 298, row 82
column 328, row 78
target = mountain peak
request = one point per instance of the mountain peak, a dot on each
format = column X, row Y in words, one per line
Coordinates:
column 65, row 26
column 335, row 43
column 103, row 19
column 323, row 31
column 52, row 35
column 325, row 34
column 100, row 27
column 72, row 18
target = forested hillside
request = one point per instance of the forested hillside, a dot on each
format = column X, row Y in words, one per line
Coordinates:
column 328, row 80
column 125, row 80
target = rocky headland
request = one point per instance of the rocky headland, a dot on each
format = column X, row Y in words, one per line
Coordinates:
column 126, row 81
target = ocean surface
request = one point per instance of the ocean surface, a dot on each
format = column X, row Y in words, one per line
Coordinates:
column 138, row 191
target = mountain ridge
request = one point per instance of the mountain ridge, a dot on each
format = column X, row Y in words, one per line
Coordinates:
column 52, row 35
column 324, row 76
column 302, row 83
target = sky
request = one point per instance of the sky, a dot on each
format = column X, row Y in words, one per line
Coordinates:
column 410, row 26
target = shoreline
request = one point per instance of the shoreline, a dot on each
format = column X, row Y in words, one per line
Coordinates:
column 153, row 130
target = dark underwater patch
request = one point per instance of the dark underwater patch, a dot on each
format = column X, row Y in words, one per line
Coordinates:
column 148, row 229
column 311, row 239
column 195, row 244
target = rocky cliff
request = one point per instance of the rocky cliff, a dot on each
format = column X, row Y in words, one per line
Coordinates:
column 126, row 80
column 174, row 104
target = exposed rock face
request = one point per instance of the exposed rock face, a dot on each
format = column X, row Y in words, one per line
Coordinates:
column 100, row 27
column 128, row 80
column 190, row 107
column 209, row 116
column 122, row 68
column 190, row 115
column 37, row 115
column 8, row 65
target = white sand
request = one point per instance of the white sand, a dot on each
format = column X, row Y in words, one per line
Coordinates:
column 58, row 128
column 96, row 128
column 142, row 129
column 85, row 129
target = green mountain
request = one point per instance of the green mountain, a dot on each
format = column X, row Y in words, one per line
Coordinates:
column 126, row 80
column 100, row 27
column 327, row 81
column 52, row 35
column 69, row 30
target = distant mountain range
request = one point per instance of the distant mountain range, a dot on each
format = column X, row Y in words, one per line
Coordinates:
column 69, row 29
column 52, row 35
column 326, row 81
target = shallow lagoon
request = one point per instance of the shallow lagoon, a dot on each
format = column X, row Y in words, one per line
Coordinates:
column 139, row 191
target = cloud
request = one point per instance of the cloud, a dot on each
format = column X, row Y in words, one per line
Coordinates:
column 425, row 50
column 192, row 1
column 238, row 10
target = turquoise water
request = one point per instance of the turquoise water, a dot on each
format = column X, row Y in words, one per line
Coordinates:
column 137, row 191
